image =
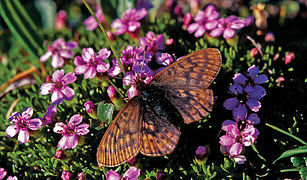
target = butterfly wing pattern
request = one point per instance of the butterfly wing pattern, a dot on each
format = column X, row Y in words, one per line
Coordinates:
column 121, row 141
column 137, row 128
column 185, row 83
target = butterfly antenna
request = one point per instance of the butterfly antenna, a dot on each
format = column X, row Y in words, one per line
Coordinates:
column 144, row 59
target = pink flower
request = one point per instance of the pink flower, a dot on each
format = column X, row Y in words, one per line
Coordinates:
column 71, row 131
column 140, row 72
column 153, row 43
column 112, row 175
column 204, row 20
column 169, row 41
column 60, row 20
column 254, row 52
column 239, row 159
column 269, row 37
column 280, row 79
column 59, row 50
column 2, row 173
column 22, row 124
column 131, row 174
column 91, row 23
column 111, row 92
column 289, row 57
column 187, row 19
column 200, row 152
column 89, row 106
column 81, row 176
column 129, row 22
column 90, row 63
column 226, row 27
column 58, row 154
column 12, row 178
column 66, row 175
column 50, row 114
column 236, row 138
column 59, row 89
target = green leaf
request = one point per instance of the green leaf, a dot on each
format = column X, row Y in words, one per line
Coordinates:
column 47, row 10
column 22, row 26
column 292, row 152
column 105, row 112
column 297, row 161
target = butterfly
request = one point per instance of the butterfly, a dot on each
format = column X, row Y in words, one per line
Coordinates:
column 144, row 125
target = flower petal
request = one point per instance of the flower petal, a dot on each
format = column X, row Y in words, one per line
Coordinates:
column 193, row 27
column 81, row 69
column 45, row 57
column 59, row 127
column 66, row 53
column 216, row 32
column 239, row 159
column 90, row 73
column 82, row 129
column 57, row 75
column 71, row 141
column 68, row 93
column 74, row 120
column 103, row 67
column 227, row 140
column 200, row 31
column 11, row 130
column 34, row 124
column 70, row 45
column 69, row 78
column 132, row 173
column 132, row 91
column 79, row 61
column 228, row 33
column 104, row 53
column 112, row 175
column 253, row 71
column 57, row 61
column 235, row 149
column 50, row 114
column 87, row 54
column 119, row 26
column 240, row 112
column 46, row 88
column 231, row 103
column 27, row 113
column 133, row 26
column 253, row 104
column 57, row 97
column 23, row 136
column 262, row 78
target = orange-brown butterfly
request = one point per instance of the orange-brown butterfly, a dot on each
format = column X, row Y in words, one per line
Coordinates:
column 179, row 92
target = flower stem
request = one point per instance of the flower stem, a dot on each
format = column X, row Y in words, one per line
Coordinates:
column 116, row 88
column 105, row 35
column 286, row 133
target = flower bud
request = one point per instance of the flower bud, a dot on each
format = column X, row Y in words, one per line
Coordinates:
column 132, row 161
column 201, row 154
column 81, row 176
column 254, row 52
column 161, row 175
column 187, row 20
column 289, row 57
column 269, row 37
column 66, row 175
column 91, row 109
column 58, row 154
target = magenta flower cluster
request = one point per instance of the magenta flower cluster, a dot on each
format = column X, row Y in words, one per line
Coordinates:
column 129, row 21
column 132, row 174
column 247, row 93
column 208, row 21
column 59, row 50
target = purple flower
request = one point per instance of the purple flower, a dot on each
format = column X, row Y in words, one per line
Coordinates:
column 249, row 20
column 236, row 138
column 161, row 175
column 66, row 175
column 112, row 175
column 132, row 161
column 12, row 178
column 153, row 43
column 226, row 27
column 144, row 4
column 59, row 50
column 239, row 159
column 2, row 173
column 269, row 37
column 129, row 22
column 141, row 72
column 130, row 57
column 111, row 92
column 71, row 131
column 81, row 176
column 60, row 20
column 89, row 106
column 91, row 23
column 90, row 63
column 204, row 20
column 50, row 114
column 22, row 124
column 200, row 153
column 289, row 57
column 59, row 89
column 131, row 174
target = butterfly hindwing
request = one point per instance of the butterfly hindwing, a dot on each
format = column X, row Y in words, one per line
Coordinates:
column 193, row 105
column 121, row 141
column 159, row 136
column 194, row 71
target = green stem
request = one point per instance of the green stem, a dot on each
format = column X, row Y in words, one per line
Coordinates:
column 16, row 146
column 286, row 133
column 106, row 36
column 290, row 170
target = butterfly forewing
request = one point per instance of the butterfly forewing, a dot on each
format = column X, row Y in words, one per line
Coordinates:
column 194, row 71
column 159, row 136
column 121, row 141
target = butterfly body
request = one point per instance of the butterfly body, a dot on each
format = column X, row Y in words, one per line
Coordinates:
column 177, row 93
